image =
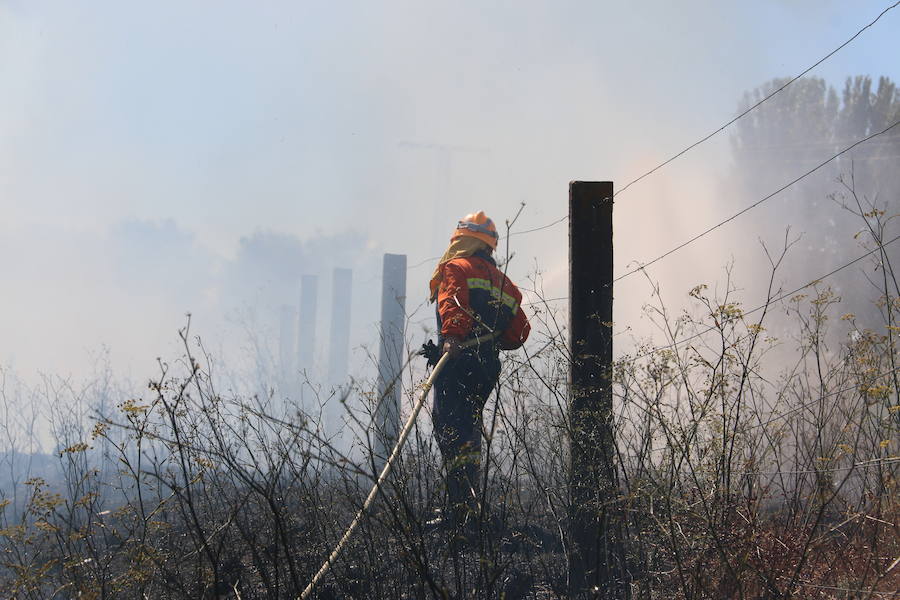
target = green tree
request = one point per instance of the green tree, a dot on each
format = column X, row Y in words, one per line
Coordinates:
column 800, row 127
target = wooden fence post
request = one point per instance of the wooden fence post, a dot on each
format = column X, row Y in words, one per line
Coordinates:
column 596, row 568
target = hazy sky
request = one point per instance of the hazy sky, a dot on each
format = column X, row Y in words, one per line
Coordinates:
column 141, row 142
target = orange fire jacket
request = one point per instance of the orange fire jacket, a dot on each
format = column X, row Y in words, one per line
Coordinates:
column 475, row 297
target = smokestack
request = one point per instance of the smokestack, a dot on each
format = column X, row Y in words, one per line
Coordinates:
column 390, row 357
column 339, row 347
column 306, row 334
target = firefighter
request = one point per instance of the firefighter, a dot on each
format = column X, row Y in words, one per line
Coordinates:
column 474, row 298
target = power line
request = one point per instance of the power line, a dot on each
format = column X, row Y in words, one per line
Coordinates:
column 717, row 225
column 547, row 226
column 844, row 266
column 775, row 299
column 766, row 98
column 799, row 407
column 719, row 130
column 817, row 400
column 749, row 312
column 739, row 213
column 732, row 121
column 422, row 262
column 765, row 304
column 732, row 217
column 709, row 136
column 757, row 203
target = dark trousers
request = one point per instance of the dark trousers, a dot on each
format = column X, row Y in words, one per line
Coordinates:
column 461, row 391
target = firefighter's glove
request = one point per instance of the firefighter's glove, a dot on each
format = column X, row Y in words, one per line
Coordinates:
column 452, row 346
column 431, row 353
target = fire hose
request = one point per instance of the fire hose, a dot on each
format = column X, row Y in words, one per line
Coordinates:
column 404, row 433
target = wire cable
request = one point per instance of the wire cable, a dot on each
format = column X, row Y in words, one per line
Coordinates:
column 744, row 210
column 804, row 405
column 749, row 312
column 755, row 204
column 775, row 299
column 793, row 292
column 732, row 121
column 755, row 106
column 541, row 228
column 422, row 262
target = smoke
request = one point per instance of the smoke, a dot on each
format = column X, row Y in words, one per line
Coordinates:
column 170, row 157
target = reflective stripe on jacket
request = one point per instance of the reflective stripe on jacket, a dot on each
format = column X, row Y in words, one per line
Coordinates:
column 475, row 297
